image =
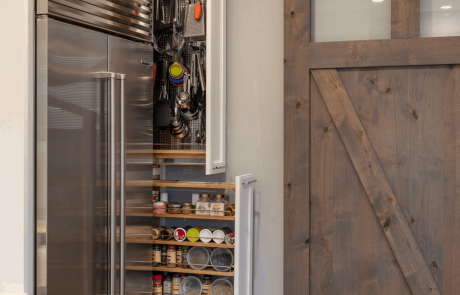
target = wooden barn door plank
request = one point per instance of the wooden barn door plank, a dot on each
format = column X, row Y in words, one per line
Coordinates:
column 405, row 19
column 375, row 183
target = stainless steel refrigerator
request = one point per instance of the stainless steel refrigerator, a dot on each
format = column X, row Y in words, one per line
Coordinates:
column 94, row 100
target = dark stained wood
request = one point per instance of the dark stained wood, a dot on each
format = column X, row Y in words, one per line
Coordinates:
column 405, row 19
column 375, row 183
column 384, row 53
column 296, row 147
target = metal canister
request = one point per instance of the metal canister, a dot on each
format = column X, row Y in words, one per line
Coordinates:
column 156, row 232
column 193, row 234
column 206, row 234
column 180, row 234
column 167, row 234
column 230, row 210
column 218, row 236
column 230, row 239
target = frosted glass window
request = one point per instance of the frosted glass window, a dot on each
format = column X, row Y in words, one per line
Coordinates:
column 439, row 18
column 344, row 20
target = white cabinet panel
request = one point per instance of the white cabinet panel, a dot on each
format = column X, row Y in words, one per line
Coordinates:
column 216, row 92
column 244, row 232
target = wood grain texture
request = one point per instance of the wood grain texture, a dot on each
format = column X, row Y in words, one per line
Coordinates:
column 405, row 19
column 296, row 147
column 207, row 271
column 375, row 183
column 384, row 53
column 184, row 184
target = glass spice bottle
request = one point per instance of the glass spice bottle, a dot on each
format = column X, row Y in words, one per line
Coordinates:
column 186, row 208
column 206, row 285
column 185, row 257
column 156, row 255
column 171, row 257
column 203, row 204
column 179, row 256
column 164, row 255
column 176, row 284
column 182, row 277
column 218, row 206
column 167, row 285
column 157, row 285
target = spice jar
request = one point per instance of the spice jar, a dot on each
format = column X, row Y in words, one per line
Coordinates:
column 179, row 256
column 203, row 204
column 182, row 277
column 218, row 206
column 164, row 255
column 159, row 207
column 168, row 233
column 184, row 257
column 155, row 195
column 193, row 234
column 218, row 236
column 167, row 285
column 156, row 232
column 176, row 284
column 195, row 198
column 186, row 208
column 171, row 257
column 175, row 208
column 180, row 234
column 157, row 285
column 230, row 239
column 230, row 210
column 156, row 255
column 206, row 234
column 206, row 285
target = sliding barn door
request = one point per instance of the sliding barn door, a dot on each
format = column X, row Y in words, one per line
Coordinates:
column 384, row 177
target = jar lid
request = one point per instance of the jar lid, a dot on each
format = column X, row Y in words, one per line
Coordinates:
column 186, row 204
column 159, row 204
column 155, row 192
column 176, row 275
column 202, row 196
column 158, row 277
column 219, row 196
column 175, row 205
column 185, row 247
column 172, row 247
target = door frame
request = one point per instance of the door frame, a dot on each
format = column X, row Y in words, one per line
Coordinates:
column 405, row 48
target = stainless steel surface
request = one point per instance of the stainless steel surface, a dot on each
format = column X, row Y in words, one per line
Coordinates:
column 125, row 57
column 112, row 143
column 72, row 257
column 122, row 78
column 244, row 182
column 124, row 17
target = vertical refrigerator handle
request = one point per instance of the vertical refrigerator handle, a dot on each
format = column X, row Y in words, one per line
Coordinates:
column 122, row 79
column 112, row 144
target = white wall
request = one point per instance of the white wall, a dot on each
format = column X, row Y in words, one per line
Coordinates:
column 255, row 125
column 16, row 146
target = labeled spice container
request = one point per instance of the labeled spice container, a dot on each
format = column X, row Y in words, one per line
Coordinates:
column 156, row 255
column 230, row 239
column 175, row 208
column 218, row 236
column 203, row 205
column 222, row 287
column 180, row 234
column 206, row 234
column 156, row 232
column 157, row 285
column 193, row 234
column 167, row 285
column 159, row 207
column 185, row 250
column 206, row 285
column 171, row 262
column 176, row 284
column 155, row 196
column 179, row 259
column 187, row 208
column 230, row 210
column 168, row 233
column 218, row 206
column 182, row 276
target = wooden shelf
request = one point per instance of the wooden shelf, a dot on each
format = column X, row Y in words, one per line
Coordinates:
column 208, row 271
column 172, row 154
column 183, row 184
column 147, row 212
column 134, row 240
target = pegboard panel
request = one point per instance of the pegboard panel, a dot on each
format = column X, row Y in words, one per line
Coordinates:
column 162, row 139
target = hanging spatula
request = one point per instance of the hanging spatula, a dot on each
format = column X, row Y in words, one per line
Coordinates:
column 162, row 108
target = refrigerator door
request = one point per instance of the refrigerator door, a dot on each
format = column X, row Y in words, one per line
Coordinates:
column 72, row 170
column 135, row 60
